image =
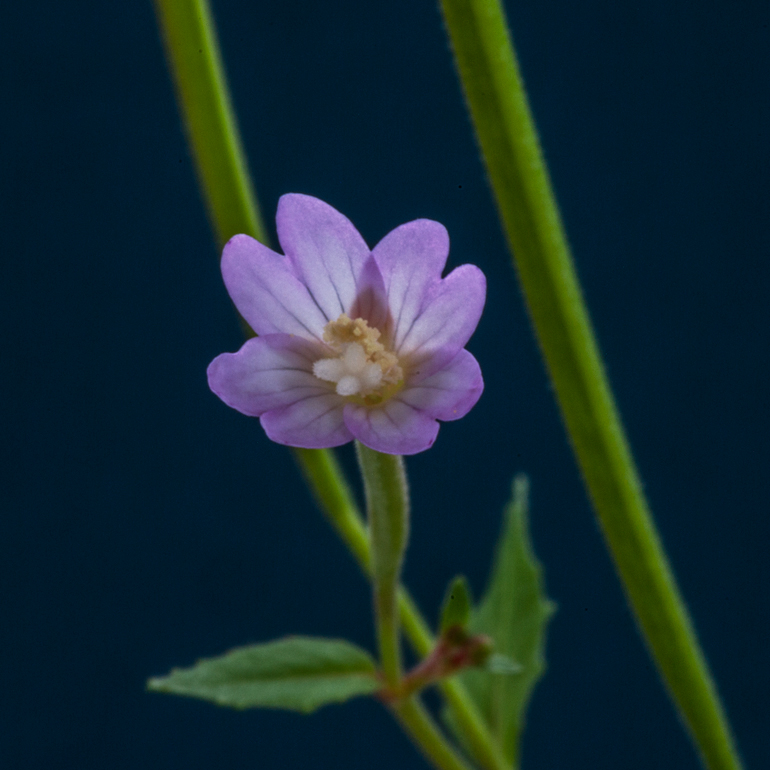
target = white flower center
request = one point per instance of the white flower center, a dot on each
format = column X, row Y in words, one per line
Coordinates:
column 363, row 367
column 352, row 372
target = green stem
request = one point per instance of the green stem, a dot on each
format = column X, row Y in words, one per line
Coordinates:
column 193, row 53
column 387, row 511
column 527, row 207
column 334, row 497
column 420, row 726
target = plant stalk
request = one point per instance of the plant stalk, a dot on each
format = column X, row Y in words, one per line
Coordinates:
column 498, row 105
column 419, row 725
column 387, row 512
column 192, row 49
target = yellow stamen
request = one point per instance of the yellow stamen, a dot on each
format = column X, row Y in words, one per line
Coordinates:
column 364, row 367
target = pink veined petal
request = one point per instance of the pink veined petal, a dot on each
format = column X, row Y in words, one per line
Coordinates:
column 450, row 313
column 371, row 301
column 449, row 393
column 266, row 292
column 315, row 422
column 268, row 372
column 411, row 258
column 327, row 253
column 394, row 428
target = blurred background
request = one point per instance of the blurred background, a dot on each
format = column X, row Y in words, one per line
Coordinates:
column 144, row 524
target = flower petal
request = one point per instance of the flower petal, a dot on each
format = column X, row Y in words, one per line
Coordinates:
column 394, row 428
column 411, row 258
column 449, row 393
column 268, row 372
column 327, row 253
column 266, row 292
column 371, row 301
column 313, row 423
column 450, row 313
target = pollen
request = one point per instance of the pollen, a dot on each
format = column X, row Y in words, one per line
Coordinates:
column 363, row 366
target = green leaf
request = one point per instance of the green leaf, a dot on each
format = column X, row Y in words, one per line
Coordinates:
column 456, row 609
column 514, row 612
column 299, row 673
column 502, row 664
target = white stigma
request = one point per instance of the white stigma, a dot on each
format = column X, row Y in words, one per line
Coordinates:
column 360, row 366
column 352, row 371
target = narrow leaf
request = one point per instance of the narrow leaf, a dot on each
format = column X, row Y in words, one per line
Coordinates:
column 514, row 612
column 456, row 609
column 298, row 673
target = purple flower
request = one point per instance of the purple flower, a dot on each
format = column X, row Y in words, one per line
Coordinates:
column 352, row 343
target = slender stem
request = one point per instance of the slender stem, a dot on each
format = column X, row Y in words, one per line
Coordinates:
column 416, row 720
column 191, row 45
column 336, row 502
column 527, row 207
column 388, row 634
column 192, row 49
column 193, row 53
column 387, row 511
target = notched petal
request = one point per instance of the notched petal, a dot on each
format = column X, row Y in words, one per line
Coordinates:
column 266, row 291
column 371, row 302
column 394, row 428
column 450, row 313
column 315, row 422
column 411, row 258
column 449, row 393
column 326, row 251
column 268, row 372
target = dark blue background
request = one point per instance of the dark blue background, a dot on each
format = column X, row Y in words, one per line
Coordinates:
column 145, row 525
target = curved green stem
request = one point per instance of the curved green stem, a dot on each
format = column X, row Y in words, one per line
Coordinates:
column 505, row 130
